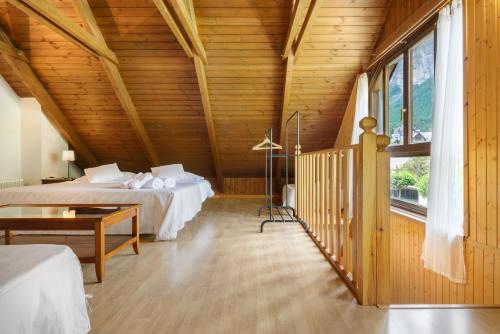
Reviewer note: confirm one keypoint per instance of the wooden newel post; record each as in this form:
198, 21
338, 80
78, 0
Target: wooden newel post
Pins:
383, 222
367, 212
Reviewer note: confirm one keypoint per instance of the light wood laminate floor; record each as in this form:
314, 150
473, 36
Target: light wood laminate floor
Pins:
222, 276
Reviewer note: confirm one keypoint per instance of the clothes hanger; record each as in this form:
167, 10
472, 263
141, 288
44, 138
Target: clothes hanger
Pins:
264, 145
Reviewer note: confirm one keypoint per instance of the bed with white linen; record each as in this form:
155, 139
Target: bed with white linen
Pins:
41, 290
164, 212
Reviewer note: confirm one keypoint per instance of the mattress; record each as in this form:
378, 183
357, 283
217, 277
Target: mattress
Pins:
41, 290
164, 211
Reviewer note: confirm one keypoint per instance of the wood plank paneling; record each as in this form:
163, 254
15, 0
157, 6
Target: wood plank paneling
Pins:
13, 80
338, 46
412, 284
244, 185
245, 76
344, 136
399, 11
482, 127
161, 80
84, 111
245, 73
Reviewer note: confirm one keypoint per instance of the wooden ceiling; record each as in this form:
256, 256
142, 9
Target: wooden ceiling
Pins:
158, 107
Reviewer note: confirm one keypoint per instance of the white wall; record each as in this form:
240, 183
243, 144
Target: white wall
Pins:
30, 147
52, 146
10, 133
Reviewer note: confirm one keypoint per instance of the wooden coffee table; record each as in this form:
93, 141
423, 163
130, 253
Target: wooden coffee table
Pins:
74, 217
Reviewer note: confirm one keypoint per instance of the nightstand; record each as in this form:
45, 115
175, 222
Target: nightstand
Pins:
50, 180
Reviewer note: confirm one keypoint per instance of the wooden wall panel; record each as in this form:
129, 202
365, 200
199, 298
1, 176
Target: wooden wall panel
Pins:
244, 186
412, 284
482, 124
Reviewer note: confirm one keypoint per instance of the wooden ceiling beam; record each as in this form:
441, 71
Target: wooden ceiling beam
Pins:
312, 12
188, 23
6, 48
117, 82
47, 13
287, 90
287, 87
169, 19
292, 27
207, 106
15, 59
207, 110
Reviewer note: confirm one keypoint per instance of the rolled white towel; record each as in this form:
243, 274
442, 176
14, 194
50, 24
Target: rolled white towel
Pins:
140, 181
169, 183
128, 184
154, 183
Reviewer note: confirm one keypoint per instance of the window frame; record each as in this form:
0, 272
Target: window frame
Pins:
407, 149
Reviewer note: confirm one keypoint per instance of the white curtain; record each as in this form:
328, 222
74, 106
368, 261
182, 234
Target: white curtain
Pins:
360, 112
443, 250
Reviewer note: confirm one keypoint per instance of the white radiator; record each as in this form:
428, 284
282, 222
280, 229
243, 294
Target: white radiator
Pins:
11, 183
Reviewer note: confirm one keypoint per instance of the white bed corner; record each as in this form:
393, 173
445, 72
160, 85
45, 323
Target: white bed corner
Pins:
41, 290
165, 211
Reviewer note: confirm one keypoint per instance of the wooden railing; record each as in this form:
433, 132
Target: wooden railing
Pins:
343, 195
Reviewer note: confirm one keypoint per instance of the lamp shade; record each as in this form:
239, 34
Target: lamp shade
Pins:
68, 155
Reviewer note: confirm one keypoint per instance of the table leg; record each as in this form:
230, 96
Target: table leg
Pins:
8, 235
100, 256
135, 231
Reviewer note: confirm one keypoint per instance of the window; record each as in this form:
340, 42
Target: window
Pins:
402, 99
377, 103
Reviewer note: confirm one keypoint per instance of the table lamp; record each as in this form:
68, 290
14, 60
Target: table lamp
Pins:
68, 156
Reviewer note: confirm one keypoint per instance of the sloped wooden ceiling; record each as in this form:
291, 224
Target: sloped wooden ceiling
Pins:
245, 73
342, 38
13, 80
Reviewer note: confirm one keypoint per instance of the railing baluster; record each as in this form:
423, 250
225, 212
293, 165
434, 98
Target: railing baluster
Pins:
315, 194
324, 234
321, 203
333, 198
338, 213
297, 181
306, 191
318, 196
355, 218
327, 201
302, 188
346, 198
311, 192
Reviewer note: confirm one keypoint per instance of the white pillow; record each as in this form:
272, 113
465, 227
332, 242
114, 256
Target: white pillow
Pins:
192, 177
174, 171
125, 176
104, 173
81, 179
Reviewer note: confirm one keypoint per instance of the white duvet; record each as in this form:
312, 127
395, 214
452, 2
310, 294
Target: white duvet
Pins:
41, 290
164, 211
